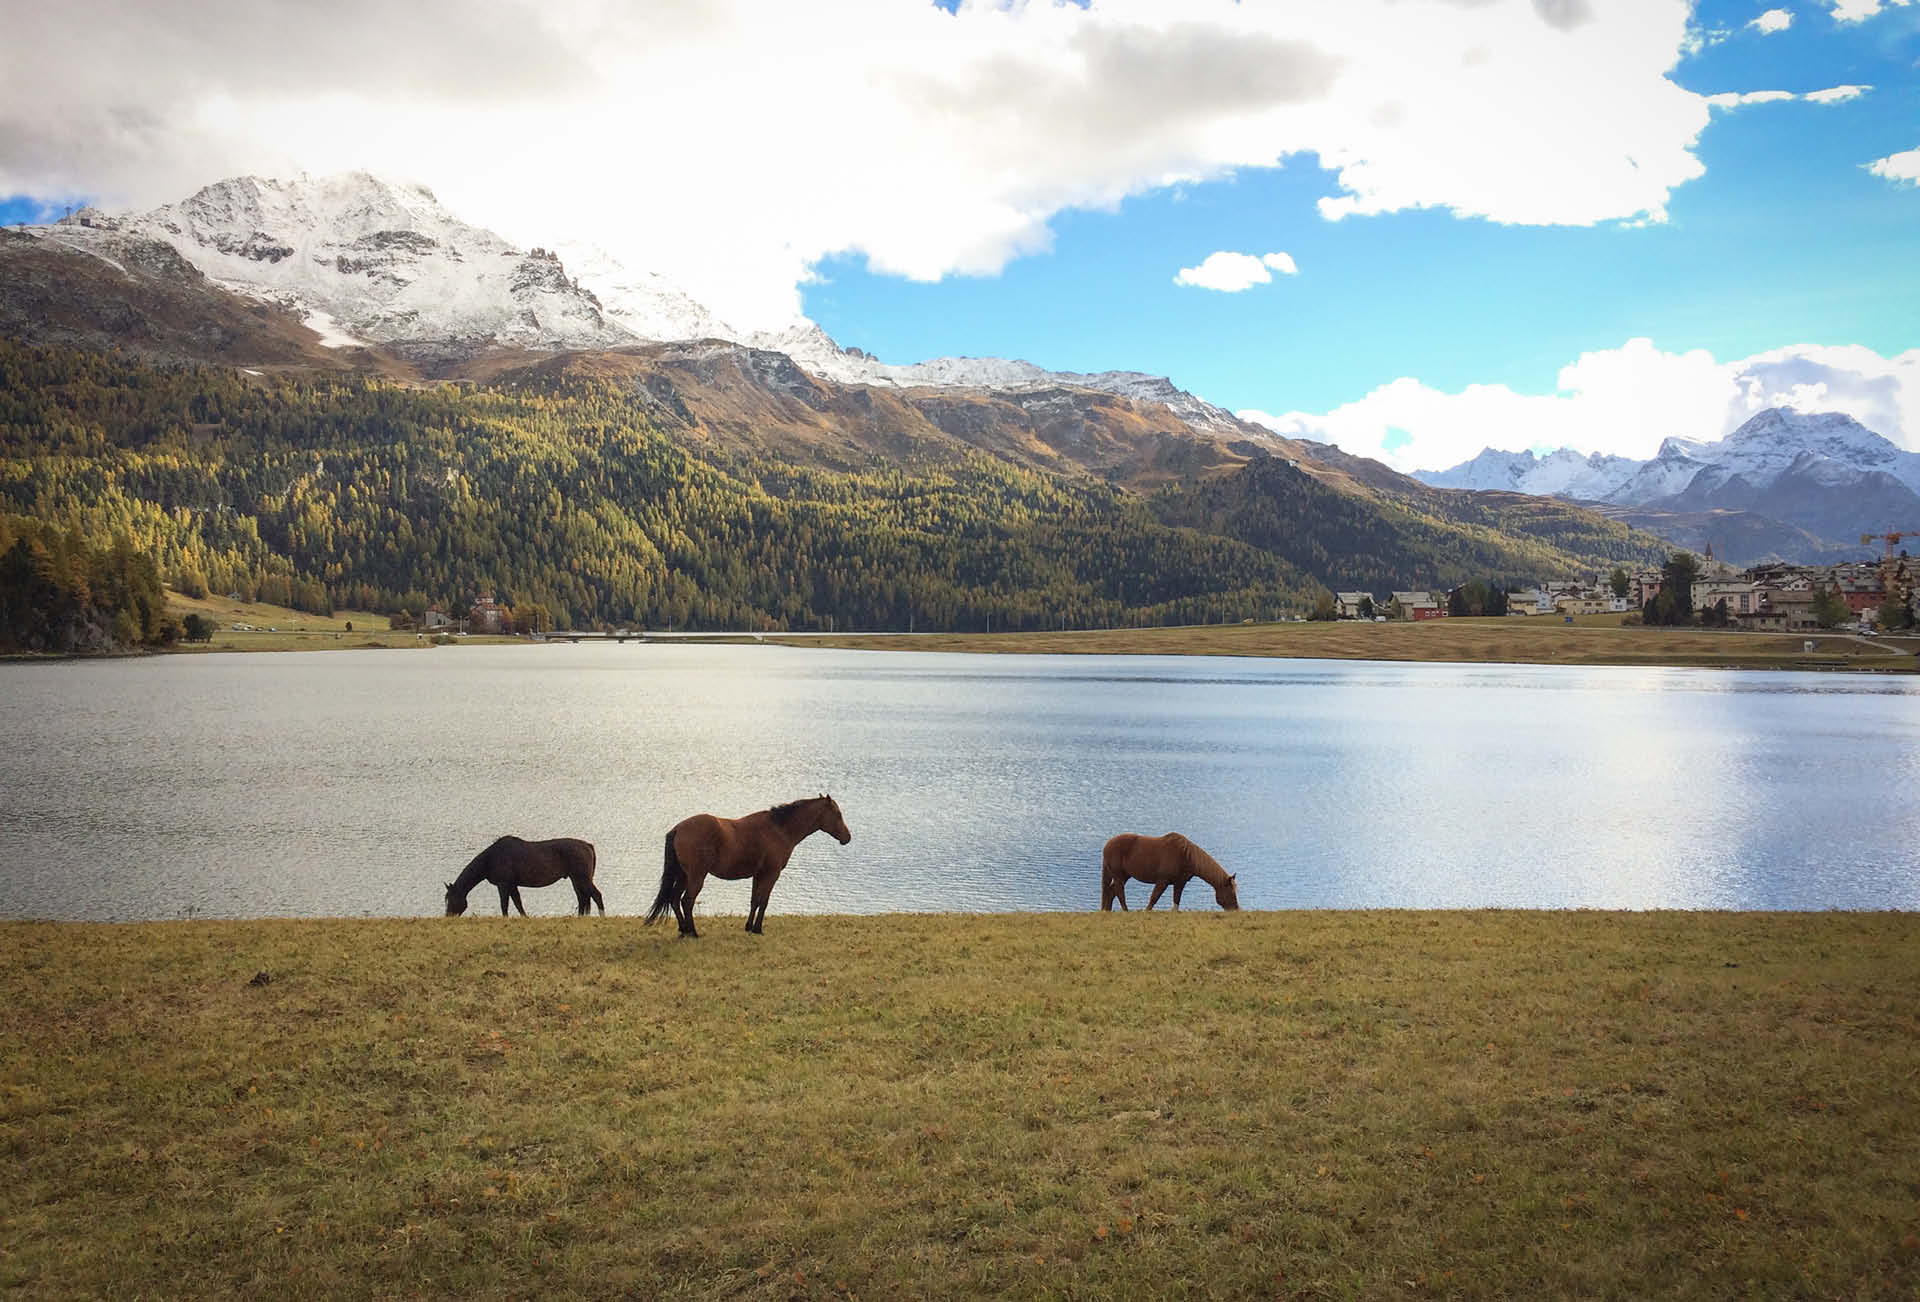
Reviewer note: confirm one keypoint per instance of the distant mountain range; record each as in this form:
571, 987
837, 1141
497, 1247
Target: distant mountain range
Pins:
1786, 484
383, 277
353, 274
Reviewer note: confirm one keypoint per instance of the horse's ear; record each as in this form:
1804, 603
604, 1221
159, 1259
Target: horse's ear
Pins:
1233, 877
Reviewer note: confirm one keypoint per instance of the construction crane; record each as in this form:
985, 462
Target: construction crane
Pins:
1890, 539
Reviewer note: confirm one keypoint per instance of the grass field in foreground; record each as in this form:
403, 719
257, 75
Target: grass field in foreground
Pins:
1589, 641
1302, 1105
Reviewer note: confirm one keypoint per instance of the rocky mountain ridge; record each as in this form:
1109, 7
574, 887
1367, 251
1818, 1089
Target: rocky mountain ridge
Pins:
366, 262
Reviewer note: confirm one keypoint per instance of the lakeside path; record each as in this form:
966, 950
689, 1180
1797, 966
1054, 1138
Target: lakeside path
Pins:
1595, 641
1303, 1105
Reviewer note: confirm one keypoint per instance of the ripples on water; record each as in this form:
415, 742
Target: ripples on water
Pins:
351, 783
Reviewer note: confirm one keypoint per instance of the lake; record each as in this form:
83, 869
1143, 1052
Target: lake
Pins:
357, 783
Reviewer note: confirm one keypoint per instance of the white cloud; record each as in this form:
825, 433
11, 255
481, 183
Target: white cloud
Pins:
1902, 168
1735, 98
1854, 11
1831, 95
734, 144
1232, 272
1622, 401
1774, 20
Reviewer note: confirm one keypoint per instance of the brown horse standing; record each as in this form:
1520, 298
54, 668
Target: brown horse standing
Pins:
1169, 860
511, 863
756, 846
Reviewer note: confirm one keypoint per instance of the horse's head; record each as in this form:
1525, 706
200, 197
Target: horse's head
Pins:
832, 823
1227, 894
456, 903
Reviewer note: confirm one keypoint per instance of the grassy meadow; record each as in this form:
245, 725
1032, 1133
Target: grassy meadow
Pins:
1295, 1105
281, 628
1589, 640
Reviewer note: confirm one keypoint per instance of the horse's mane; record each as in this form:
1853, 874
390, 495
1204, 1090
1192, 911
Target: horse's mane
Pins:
784, 814
1204, 865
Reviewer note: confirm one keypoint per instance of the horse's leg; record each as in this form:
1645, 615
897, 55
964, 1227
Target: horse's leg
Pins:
1153, 899
580, 889
689, 892
757, 907
595, 892
503, 899
516, 901
1178, 886
1120, 891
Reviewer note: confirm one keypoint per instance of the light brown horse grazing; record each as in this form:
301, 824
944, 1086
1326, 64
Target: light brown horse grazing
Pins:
511, 863
1169, 860
756, 846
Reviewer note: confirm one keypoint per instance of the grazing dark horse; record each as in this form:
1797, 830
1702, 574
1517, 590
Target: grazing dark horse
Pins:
1169, 860
511, 863
756, 846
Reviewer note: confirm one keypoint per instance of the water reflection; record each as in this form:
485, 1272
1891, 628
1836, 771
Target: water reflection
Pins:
345, 784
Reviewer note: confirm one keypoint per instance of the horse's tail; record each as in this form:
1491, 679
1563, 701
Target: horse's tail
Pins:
671, 880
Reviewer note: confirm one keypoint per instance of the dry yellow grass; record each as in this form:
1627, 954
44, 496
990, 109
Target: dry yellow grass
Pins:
1542, 640
1301, 1105
280, 628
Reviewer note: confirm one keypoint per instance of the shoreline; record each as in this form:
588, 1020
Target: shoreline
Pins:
1464, 641
1459, 913
1588, 641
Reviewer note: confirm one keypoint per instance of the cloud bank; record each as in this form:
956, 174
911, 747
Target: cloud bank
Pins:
1622, 401
735, 144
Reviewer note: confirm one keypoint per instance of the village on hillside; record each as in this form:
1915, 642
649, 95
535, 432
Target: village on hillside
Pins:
1774, 597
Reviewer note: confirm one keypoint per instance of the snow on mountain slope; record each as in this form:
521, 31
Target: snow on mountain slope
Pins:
366, 259
1564, 473
1770, 444
645, 302
1759, 453
816, 352
1666, 475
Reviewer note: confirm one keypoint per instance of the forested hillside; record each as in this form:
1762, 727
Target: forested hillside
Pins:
591, 499
1432, 538
349, 490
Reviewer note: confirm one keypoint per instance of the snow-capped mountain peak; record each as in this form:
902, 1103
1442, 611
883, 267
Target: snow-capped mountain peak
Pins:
369, 260
1821, 472
1562, 473
365, 259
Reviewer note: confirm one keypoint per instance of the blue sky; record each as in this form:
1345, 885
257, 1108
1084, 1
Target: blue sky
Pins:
1552, 234
1786, 239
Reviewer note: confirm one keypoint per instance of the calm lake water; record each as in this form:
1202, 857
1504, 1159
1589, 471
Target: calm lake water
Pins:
356, 783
